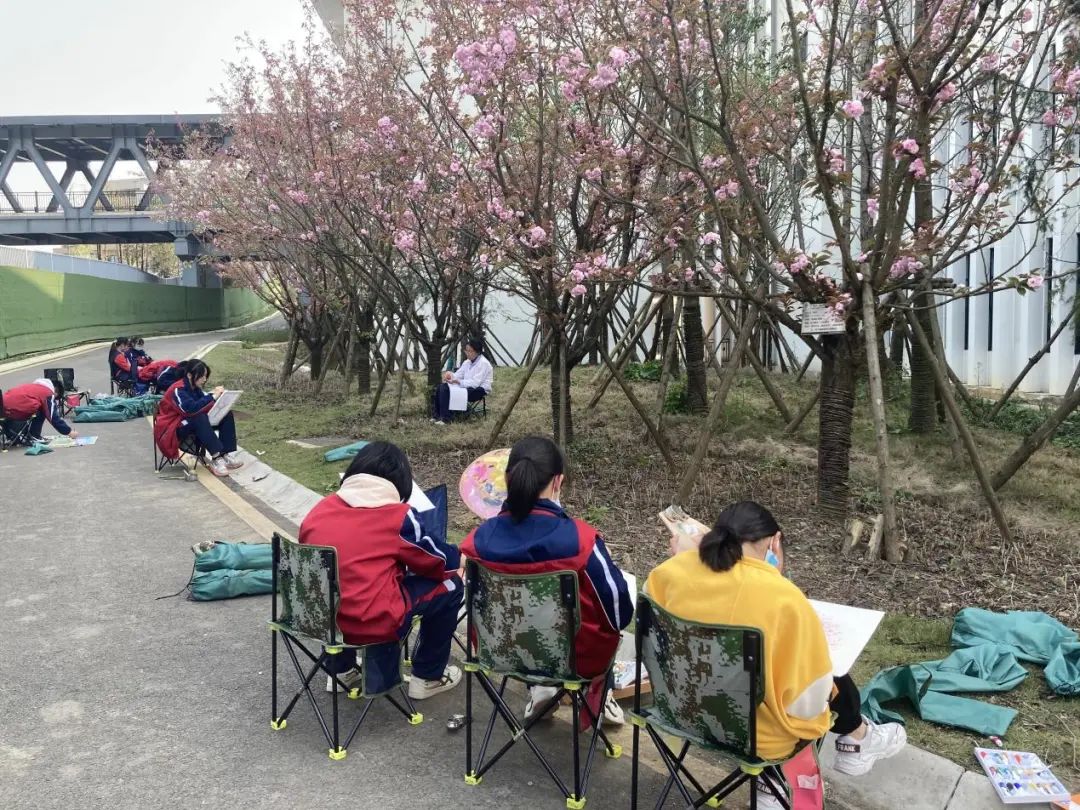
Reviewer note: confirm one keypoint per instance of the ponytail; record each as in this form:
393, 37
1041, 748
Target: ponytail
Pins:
743, 522
534, 462
720, 549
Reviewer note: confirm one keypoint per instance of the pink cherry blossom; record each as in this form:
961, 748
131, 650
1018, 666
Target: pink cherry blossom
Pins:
710, 238
594, 174
578, 290
852, 108
619, 58
1049, 118
918, 168
982, 188
1034, 281
605, 77
872, 208
537, 235
910, 145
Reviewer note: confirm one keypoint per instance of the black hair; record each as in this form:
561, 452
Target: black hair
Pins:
58, 387
194, 369
384, 460
138, 341
742, 522
476, 344
119, 341
533, 462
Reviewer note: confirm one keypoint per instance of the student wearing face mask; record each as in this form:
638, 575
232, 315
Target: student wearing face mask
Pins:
533, 535
735, 578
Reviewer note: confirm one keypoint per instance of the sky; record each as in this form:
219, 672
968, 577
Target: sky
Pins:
114, 57
102, 57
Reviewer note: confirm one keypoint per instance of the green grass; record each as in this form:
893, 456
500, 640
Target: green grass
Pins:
260, 337
617, 483
1046, 724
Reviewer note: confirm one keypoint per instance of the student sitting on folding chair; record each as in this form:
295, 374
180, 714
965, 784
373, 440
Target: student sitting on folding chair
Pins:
159, 375
306, 611
28, 407
392, 569
534, 535
182, 413
735, 579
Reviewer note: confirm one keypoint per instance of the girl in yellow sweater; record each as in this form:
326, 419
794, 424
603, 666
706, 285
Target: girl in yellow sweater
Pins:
735, 577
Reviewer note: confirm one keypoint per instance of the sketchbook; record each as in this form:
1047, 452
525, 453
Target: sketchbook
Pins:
222, 406
459, 398
847, 630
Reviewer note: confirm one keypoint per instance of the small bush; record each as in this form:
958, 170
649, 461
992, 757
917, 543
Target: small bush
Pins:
675, 400
649, 371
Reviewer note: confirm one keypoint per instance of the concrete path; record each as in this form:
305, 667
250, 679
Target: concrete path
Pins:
112, 698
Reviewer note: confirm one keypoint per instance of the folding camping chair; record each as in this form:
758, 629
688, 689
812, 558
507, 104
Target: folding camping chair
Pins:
123, 388
305, 580
522, 627
189, 445
66, 378
477, 408
707, 682
13, 432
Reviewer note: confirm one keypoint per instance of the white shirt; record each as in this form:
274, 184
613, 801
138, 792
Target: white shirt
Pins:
476, 373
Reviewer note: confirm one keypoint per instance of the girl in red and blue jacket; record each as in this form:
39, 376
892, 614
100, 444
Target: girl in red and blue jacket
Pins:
533, 535
183, 412
36, 403
391, 567
119, 362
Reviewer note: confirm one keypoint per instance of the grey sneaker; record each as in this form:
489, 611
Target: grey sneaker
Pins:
352, 678
420, 689
232, 462
218, 467
539, 696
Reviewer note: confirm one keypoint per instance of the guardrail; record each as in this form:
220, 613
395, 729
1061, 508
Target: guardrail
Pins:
43, 202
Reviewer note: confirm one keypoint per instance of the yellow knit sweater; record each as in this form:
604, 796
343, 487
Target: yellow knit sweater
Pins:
798, 672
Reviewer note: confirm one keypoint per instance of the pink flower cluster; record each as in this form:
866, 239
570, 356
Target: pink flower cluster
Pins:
872, 208
905, 266
835, 157
297, 196
797, 265
727, 191
852, 108
1034, 281
484, 60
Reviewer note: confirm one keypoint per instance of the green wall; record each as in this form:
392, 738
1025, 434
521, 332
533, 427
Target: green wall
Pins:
41, 310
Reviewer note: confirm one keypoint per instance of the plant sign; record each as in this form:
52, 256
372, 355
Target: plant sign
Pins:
821, 319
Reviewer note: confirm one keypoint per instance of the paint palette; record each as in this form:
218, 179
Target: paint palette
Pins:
483, 484
1020, 777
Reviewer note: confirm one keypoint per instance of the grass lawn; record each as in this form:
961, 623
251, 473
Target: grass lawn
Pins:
618, 481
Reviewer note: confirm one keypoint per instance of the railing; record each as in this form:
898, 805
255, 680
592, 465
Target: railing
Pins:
43, 202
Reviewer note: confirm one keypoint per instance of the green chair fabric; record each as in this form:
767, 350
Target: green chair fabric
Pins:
706, 682
1063, 670
524, 627
525, 624
305, 605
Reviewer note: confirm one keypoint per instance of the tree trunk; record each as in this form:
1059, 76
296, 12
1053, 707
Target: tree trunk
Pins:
363, 352
697, 390
667, 330
562, 423
290, 357
922, 417
890, 534
316, 359
835, 413
433, 361
897, 339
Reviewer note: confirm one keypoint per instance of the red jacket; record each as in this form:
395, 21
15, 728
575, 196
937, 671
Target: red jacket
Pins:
24, 402
170, 415
378, 540
151, 370
549, 540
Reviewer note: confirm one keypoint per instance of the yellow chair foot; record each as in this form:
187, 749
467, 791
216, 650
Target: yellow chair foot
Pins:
416, 719
614, 752
407, 662
473, 779
575, 804
277, 725
752, 770
714, 802
354, 694
338, 754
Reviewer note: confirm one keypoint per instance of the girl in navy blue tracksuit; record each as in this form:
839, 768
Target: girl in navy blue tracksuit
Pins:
532, 535
193, 404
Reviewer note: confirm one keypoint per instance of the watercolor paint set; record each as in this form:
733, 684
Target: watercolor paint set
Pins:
1020, 777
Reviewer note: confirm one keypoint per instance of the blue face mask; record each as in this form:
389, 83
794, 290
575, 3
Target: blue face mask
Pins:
772, 559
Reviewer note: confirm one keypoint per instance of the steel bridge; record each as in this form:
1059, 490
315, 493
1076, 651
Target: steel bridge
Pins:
92, 146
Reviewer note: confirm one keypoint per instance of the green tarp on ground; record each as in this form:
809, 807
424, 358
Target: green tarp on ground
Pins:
992, 646
223, 570
342, 453
116, 409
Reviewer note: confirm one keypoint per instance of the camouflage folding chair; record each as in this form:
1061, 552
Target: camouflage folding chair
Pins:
706, 684
522, 627
305, 606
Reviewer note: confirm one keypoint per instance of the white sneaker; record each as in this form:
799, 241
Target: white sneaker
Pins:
218, 467
540, 696
232, 462
421, 689
613, 713
856, 757
351, 677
